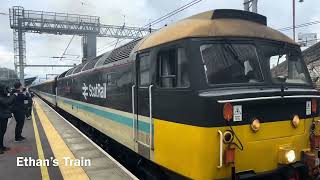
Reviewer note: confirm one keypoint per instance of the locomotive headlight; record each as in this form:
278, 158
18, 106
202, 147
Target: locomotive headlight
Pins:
227, 111
286, 155
295, 121
255, 125
291, 156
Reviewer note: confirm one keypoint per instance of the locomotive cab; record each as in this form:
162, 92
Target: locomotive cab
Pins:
237, 103
246, 100
261, 93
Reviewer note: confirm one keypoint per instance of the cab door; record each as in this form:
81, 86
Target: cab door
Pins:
143, 122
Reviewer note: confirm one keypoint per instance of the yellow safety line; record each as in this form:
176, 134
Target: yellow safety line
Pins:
43, 169
60, 149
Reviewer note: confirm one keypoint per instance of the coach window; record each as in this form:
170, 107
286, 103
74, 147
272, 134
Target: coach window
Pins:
144, 68
172, 69
111, 80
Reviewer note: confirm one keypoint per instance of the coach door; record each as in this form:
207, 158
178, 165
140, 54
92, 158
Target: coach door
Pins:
143, 123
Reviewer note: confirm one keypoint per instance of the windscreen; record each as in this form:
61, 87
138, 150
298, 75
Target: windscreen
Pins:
286, 64
226, 63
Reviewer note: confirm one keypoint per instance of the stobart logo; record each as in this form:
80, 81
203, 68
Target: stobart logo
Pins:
97, 90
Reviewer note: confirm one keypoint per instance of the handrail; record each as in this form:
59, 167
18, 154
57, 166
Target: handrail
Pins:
220, 149
150, 116
133, 113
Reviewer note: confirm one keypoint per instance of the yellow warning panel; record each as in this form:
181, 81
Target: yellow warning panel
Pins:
43, 169
60, 149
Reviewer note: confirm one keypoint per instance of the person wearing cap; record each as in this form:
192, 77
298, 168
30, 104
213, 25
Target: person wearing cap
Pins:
5, 113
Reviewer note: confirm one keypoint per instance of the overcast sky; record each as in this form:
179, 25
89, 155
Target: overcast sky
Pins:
40, 47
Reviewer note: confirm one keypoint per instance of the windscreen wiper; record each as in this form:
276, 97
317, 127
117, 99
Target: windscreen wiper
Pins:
234, 53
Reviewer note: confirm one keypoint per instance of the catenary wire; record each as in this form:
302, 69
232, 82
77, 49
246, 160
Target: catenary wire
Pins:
156, 21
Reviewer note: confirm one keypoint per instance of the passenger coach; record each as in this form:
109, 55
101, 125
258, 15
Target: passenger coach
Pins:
216, 95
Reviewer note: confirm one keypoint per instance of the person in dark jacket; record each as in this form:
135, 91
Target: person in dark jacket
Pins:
29, 105
5, 113
19, 111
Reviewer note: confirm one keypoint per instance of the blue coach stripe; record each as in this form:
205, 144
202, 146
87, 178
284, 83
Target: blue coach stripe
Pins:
142, 126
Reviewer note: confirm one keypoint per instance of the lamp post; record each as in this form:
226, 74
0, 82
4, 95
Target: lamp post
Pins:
294, 18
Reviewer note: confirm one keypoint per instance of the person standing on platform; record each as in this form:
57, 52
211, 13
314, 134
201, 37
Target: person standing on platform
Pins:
5, 113
29, 105
26, 103
19, 111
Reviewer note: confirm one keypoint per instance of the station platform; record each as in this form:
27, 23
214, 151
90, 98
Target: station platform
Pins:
55, 149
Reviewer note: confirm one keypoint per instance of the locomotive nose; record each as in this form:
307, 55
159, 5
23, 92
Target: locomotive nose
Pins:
261, 121
275, 130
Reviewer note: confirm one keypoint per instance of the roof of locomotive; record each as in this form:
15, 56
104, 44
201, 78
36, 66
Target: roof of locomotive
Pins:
45, 82
210, 24
216, 23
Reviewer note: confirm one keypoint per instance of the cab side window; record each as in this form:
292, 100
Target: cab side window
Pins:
172, 68
144, 68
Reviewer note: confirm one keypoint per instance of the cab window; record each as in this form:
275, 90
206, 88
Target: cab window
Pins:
144, 68
172, 69
227, 63
286, 64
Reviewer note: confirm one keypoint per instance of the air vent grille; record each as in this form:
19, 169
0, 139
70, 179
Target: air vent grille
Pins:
121, 52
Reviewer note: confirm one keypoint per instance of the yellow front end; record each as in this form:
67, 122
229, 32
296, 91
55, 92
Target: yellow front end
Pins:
194, 151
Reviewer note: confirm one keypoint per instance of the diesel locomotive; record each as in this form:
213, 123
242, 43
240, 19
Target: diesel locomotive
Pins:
217, 95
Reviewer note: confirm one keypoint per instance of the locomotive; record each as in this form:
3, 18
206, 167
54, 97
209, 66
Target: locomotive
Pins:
217, 95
